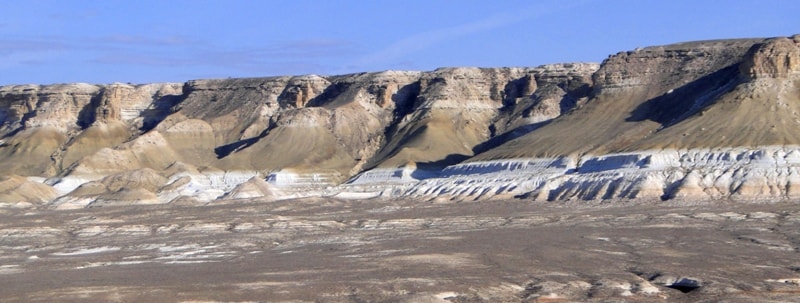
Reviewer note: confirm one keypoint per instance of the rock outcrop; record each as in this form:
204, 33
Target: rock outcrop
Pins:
555, 132
777, 58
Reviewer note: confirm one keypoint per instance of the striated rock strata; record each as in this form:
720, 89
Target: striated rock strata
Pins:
690, 121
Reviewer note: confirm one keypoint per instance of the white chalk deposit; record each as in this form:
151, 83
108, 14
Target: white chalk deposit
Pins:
764, 173
768, 173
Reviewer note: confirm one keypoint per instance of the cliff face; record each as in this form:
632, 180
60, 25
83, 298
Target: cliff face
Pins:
45, 129
778, 58
200, 139
636, 94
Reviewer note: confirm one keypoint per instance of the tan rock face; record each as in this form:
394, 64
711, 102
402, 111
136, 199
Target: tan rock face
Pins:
300, 90
451, 115
17, 101
661, 68
477, 88
230, 123
676, 96
126, 102
545, 93
775, 58
68, 113
63, 106
325, 129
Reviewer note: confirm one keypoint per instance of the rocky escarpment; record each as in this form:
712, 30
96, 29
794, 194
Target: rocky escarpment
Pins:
47, 128
302, 131
460, 110
463, 133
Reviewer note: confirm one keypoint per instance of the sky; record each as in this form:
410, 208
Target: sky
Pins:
143, 41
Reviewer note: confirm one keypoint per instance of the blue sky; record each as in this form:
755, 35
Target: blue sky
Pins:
172, 40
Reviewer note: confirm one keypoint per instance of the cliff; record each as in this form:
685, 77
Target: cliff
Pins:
403, 133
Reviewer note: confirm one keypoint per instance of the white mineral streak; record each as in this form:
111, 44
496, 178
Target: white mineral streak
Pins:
194, 185
69, 183
290, 179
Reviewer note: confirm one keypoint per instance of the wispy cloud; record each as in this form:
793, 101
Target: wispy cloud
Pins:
287, 56
17, 59
9, 46
174, 51
202, 52
26, 52
309, 47
140, 40
414, 43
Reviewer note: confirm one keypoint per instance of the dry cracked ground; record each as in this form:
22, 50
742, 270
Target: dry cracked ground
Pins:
326, 250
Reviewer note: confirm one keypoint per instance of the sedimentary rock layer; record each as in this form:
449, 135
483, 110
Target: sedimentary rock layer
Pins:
452, 133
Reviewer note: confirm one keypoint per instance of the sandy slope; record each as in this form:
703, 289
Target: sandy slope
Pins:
688, 101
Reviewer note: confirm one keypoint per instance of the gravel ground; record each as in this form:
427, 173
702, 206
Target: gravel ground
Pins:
327, 250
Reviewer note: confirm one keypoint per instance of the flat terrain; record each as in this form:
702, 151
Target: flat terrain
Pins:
323, 250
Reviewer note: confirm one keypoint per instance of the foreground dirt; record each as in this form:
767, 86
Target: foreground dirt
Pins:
322, 250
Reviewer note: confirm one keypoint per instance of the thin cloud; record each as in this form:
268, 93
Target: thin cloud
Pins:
15, 59
145, 40
289, 57
10, 46
210, 55
26, 52
310, 47
421, 41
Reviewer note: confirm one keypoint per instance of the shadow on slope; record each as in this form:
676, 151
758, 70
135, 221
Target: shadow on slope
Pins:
507, 136
88, 114
25, 117
160, 109
431, 169
227, 149
329, 94
685, 101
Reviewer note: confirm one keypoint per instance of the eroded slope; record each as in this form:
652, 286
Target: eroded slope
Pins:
406, 133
